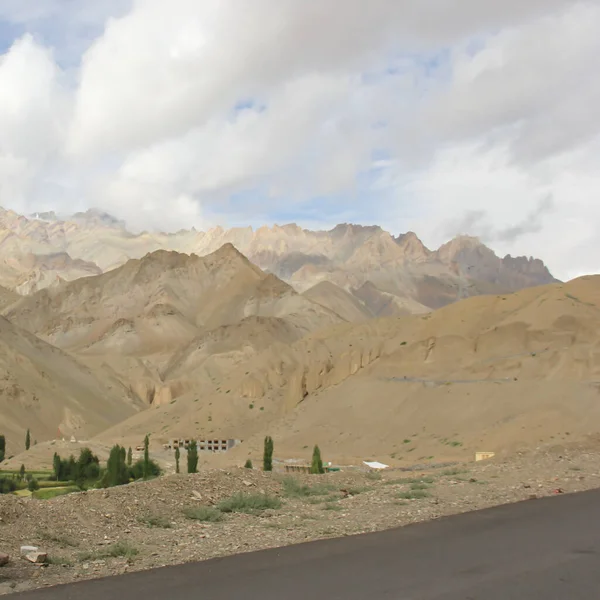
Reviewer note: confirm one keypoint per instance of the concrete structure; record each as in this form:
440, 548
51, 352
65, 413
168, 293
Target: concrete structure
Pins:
212, 445
484, 455
301, 468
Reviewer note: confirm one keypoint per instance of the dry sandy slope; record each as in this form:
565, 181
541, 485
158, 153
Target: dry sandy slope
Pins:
491, 372
349, 307
44, 389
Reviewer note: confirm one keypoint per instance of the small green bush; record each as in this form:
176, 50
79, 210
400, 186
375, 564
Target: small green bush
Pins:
418, 485
156, 521
294, 489
413, 495
206, 514
117, 550
248, 503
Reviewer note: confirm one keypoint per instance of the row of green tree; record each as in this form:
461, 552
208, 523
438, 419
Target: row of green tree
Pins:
120, 468
192, 458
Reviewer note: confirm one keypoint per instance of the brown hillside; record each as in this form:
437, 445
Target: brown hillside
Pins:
160, 302
495, 372
46, 390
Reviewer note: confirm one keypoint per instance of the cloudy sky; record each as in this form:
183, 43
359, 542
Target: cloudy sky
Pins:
438, 116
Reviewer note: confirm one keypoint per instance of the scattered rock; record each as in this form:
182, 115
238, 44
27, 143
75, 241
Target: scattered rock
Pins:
37, 557
4, 558
27, 549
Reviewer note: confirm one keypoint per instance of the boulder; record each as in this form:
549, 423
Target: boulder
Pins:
4, 558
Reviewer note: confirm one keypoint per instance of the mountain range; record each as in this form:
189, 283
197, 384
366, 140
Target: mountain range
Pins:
368, 344
388, 275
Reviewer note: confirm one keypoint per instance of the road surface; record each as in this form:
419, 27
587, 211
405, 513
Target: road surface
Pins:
546, 549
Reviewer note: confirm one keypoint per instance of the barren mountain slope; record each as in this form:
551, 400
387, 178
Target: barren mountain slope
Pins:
160, 302
348, 255
7, 297
46, 390
487, 373
350, 307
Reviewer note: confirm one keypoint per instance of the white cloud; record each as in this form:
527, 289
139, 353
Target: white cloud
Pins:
492, 107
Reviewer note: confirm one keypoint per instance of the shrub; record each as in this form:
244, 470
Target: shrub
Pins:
413, 495
7, 486
248, 503
33, 485
156, 521
248, 464
141, 470
206, 514
294, 489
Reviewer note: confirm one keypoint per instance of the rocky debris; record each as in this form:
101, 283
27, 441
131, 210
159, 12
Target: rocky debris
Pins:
37, 557
146, 525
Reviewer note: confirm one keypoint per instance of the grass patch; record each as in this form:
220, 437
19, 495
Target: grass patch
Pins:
61, 561
156, 521
49, 493
419, 485
354, 491
206, 514
62, 540
37, 474
117, 550
452, 472
294, 489
410, 480
54, 484
249, 503
374, 476
413, 495
331, 506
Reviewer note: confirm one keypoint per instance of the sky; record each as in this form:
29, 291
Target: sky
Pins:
442, 117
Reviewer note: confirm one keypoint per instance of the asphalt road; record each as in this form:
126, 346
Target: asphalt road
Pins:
539, 549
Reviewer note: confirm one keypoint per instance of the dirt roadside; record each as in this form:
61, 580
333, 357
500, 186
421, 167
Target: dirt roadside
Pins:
144, 525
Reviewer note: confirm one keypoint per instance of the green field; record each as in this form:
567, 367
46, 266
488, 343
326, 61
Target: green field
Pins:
48, 493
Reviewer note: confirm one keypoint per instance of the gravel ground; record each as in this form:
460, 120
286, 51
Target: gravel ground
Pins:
144, 525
